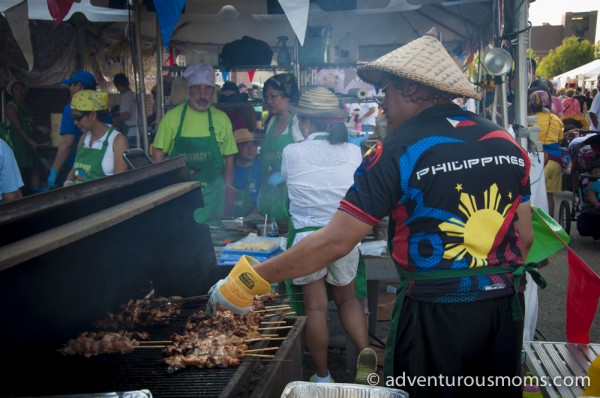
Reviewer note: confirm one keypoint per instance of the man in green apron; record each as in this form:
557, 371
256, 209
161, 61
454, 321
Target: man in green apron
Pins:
456, 189
201, 134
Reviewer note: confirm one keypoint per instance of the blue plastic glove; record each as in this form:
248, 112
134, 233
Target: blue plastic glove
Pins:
357, 140
52, 179
276, 179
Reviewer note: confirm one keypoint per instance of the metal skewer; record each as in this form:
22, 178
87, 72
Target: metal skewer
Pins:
155, 341
259, 355
276, 327
273, 308
285, 313
263, 339
262, 349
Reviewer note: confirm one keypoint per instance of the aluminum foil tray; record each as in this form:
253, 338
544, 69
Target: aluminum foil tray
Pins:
120, 394
298, 389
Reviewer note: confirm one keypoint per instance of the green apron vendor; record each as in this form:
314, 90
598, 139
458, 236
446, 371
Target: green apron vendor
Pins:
456, 189
203, 135
279, 92
100, 149
20, 135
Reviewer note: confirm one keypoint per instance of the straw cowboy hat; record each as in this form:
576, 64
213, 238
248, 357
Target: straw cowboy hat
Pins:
319, 102
243, 135
424, 60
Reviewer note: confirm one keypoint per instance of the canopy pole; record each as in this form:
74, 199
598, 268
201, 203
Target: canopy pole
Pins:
504, 102
521, 8
160, 87
140, 77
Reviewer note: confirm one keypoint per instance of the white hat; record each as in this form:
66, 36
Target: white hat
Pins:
424, 60
318, 102
200, 74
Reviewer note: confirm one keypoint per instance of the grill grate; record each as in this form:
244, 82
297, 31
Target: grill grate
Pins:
55, 374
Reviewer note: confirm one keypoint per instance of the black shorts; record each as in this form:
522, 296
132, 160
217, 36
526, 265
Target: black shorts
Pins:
460, 344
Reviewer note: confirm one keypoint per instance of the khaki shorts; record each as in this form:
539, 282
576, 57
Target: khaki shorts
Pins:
553, 176
340, 273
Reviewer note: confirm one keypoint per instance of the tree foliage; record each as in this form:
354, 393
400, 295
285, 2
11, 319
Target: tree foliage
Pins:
529, 53
571, 54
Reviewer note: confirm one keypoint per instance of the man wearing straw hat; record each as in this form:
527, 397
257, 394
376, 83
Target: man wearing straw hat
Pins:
456, 189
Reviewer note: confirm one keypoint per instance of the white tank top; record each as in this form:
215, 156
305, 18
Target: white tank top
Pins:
108, 161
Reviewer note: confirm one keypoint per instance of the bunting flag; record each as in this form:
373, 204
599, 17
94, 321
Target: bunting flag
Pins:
224, 74
349, 76
583, 292
168, 12
548, 236
18, 21
59, 10
296, 12
171, 56
251, 74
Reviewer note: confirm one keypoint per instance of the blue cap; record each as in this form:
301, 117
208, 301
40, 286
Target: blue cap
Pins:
83, 77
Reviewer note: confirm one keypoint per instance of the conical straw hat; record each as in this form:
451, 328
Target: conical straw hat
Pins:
424, 60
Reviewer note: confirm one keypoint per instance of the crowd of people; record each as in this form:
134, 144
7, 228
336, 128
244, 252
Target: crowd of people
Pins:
460, 223
90, 146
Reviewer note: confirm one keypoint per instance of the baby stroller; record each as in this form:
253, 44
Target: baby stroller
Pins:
583, 152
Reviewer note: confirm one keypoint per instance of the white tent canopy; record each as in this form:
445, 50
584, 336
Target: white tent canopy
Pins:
587, 72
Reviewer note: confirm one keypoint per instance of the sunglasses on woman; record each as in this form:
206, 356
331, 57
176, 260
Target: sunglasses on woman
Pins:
78, 118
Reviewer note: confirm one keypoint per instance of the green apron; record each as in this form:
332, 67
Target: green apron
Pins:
88, 161
24, 153
243, 196
274, 201
205, 164
295, 292
406, 277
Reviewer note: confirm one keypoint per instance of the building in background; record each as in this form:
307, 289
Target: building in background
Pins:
547, 37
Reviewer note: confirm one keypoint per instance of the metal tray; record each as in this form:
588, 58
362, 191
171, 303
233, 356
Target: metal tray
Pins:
265, 253
119, 394
297, 389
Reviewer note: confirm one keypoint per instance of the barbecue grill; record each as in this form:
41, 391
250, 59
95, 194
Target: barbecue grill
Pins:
141, 369
69, 256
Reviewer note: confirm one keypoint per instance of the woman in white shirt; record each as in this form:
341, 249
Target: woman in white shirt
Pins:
318, 172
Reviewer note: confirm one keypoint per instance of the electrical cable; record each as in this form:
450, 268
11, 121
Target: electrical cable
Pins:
409, 24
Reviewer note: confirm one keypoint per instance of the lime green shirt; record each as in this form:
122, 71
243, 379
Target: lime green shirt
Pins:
195, 124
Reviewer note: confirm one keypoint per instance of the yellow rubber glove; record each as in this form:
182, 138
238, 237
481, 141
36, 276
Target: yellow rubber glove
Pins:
236, 292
